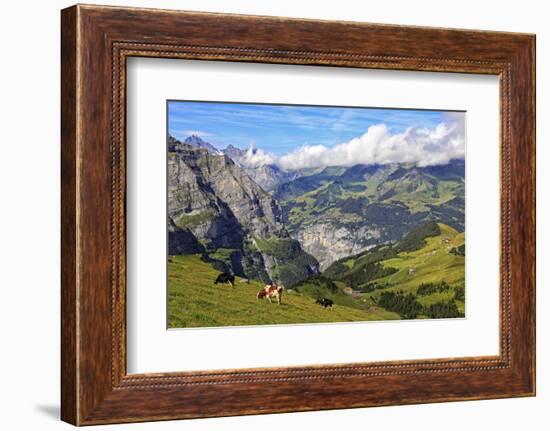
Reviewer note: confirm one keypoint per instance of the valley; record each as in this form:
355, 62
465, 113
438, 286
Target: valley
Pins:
339, 212
385, 241
426, 264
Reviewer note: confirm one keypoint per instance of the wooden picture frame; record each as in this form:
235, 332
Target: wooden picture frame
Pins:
95, 43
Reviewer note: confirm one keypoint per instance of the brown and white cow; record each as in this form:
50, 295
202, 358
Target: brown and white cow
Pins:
271, 291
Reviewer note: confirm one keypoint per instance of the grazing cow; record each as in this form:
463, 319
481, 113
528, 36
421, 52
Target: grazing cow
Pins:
271, 291
325, 302
226, 279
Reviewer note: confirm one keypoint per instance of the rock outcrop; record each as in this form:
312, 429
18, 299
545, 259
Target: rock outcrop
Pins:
329, 242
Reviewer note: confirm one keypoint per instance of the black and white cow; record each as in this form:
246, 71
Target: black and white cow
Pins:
325, 302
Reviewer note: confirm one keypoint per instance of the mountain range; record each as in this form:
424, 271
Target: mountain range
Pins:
216, 209
342, 211
263, 222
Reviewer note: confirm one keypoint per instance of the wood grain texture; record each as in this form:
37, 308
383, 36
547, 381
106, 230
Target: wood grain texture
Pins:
96, 41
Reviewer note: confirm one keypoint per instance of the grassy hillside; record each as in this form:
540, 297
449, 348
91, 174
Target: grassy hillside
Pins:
373, 311
431, 264
428, 264
421, 276
195, 301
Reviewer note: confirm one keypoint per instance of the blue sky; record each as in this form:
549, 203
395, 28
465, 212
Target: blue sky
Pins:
280, 129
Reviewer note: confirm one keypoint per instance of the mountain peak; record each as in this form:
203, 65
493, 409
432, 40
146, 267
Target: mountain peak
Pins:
194, 139
234, 152
197, 142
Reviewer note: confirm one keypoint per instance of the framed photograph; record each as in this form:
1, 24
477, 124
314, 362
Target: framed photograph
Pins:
369, 226
282, 215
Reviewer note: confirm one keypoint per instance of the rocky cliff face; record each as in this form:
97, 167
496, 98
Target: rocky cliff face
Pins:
269, 176
211, 199
202, 184
330, 242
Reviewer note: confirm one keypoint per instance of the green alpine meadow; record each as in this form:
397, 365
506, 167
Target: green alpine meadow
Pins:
294, 214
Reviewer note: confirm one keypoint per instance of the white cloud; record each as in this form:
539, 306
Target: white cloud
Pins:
255, 157
423, 146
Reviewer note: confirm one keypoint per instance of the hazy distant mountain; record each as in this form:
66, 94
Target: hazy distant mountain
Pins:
235, 153
268, 176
